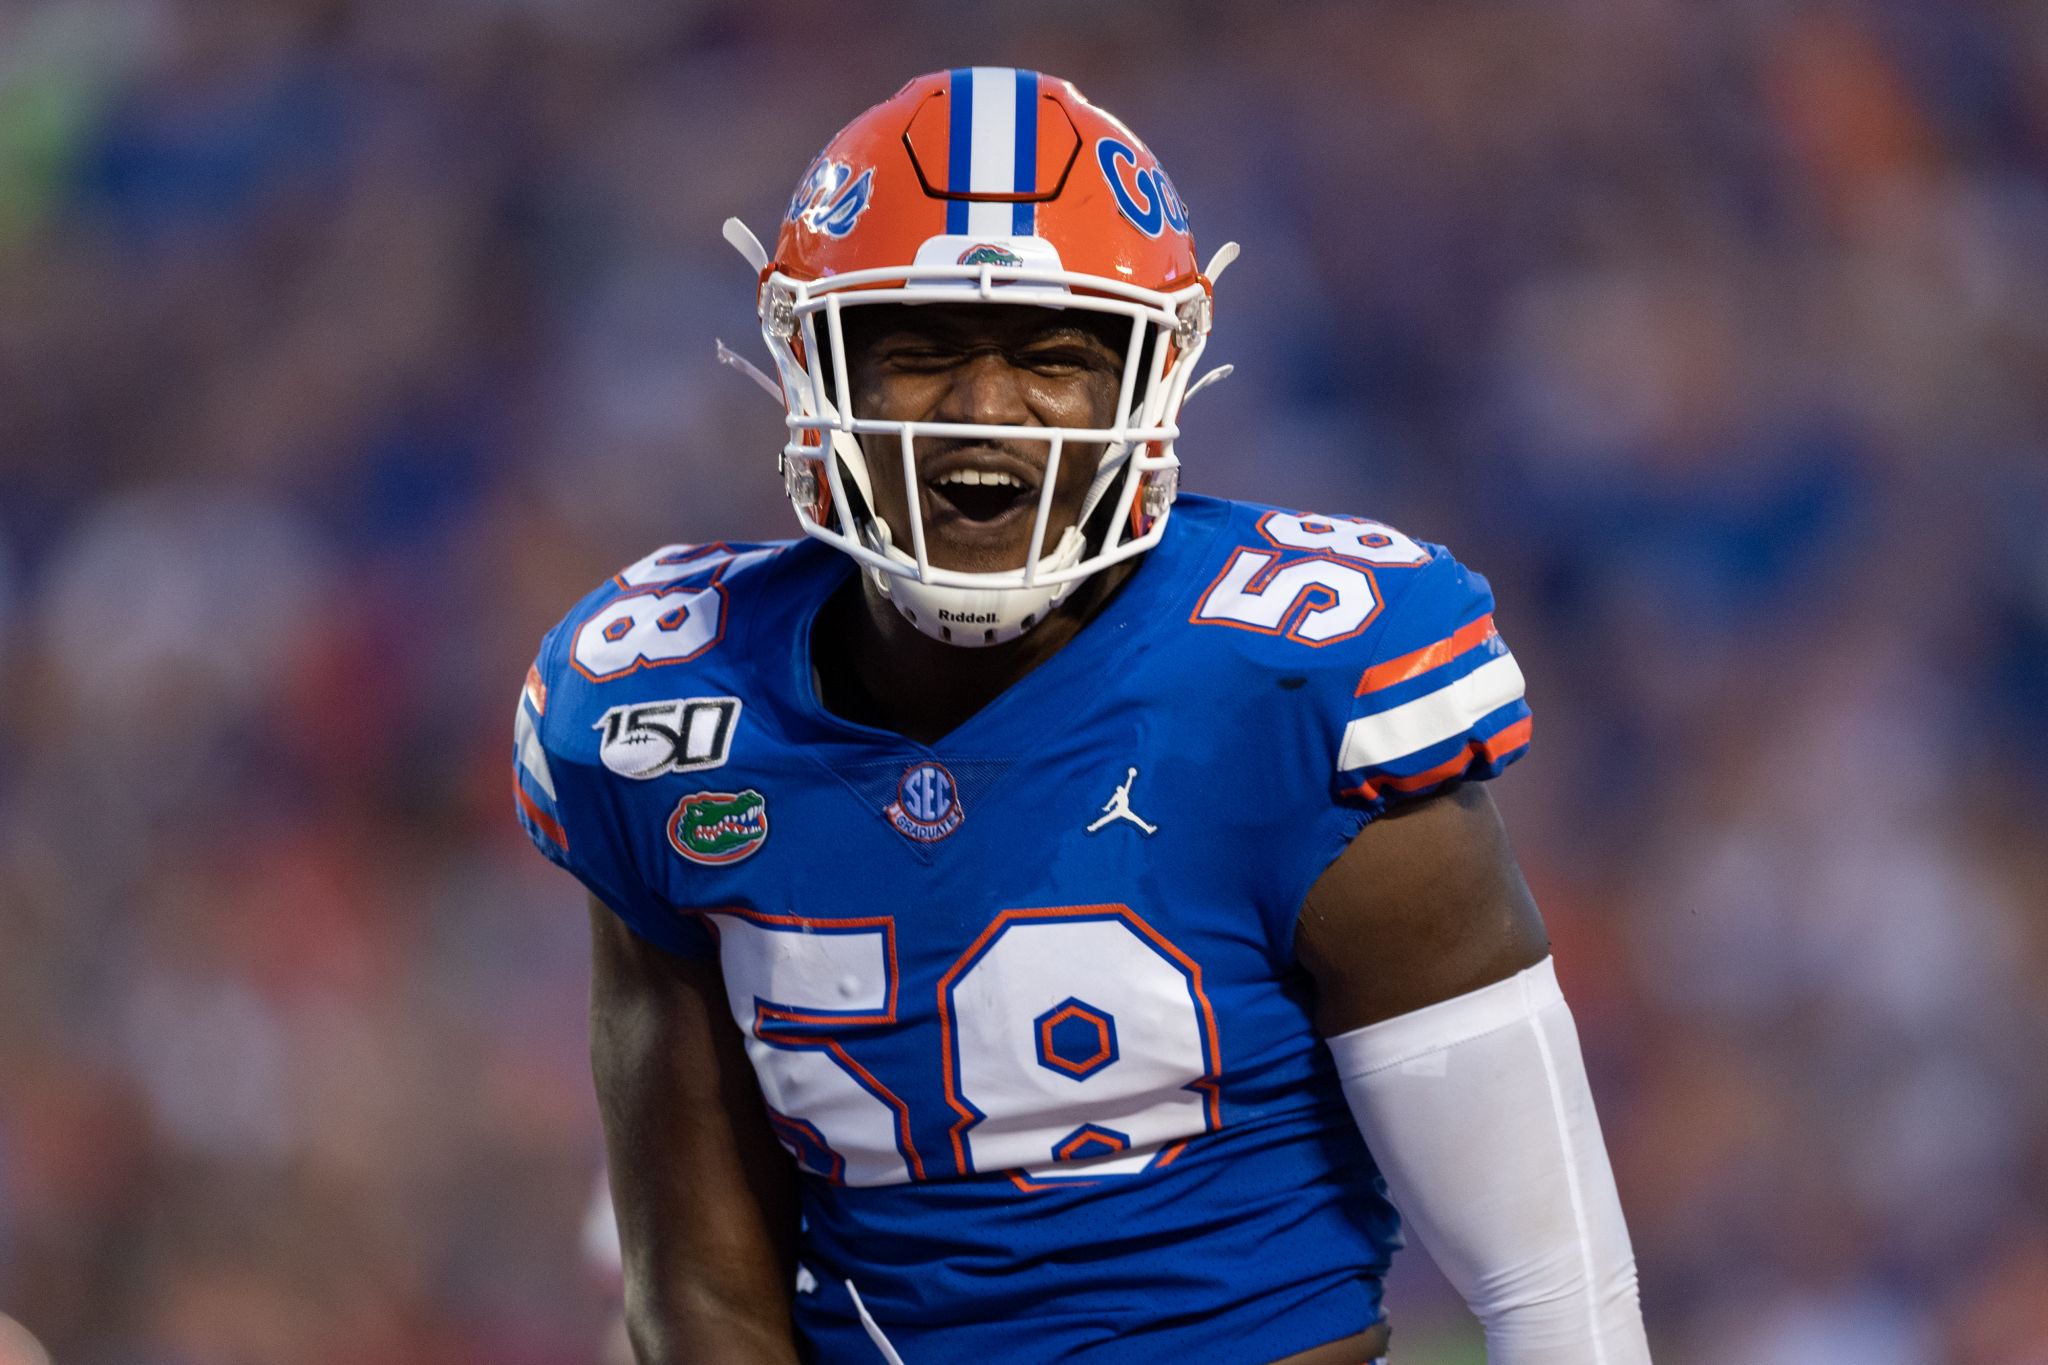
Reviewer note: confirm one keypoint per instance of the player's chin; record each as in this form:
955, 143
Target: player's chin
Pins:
983, 537
976, 549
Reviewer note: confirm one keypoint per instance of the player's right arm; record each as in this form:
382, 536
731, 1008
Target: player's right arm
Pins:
705, 1195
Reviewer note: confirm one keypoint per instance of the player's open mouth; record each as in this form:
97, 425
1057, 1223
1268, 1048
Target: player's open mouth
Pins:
979, 497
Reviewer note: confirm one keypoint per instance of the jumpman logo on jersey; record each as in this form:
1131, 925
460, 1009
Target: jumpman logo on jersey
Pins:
1118, 807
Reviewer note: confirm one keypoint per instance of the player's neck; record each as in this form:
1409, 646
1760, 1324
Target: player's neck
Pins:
872, 666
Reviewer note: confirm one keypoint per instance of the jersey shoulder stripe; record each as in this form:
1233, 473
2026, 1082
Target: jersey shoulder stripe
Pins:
533, 779
1442, 698
1418, 662
1479, 757
1443, 713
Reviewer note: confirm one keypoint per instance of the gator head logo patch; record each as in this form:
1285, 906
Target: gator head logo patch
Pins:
719, 827
989, 254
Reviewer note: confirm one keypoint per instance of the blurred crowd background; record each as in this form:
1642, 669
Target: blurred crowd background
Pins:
344, 343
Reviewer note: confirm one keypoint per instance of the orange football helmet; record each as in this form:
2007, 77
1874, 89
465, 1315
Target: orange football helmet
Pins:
983, 184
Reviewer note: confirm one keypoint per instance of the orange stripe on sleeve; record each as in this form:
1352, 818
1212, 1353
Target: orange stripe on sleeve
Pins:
1508, 740
536, 689
1429, 656
547, 823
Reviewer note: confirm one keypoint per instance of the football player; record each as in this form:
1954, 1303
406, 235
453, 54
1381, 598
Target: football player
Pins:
1036, 917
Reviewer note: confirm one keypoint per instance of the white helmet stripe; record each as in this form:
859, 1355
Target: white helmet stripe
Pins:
995, 150
992, 163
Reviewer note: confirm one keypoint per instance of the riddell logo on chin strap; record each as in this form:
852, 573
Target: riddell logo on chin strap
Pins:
968, 618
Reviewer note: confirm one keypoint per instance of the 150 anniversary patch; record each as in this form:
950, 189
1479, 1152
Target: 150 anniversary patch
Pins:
643, 740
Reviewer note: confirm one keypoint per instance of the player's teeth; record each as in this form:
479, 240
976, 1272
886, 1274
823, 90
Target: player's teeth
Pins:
982, 478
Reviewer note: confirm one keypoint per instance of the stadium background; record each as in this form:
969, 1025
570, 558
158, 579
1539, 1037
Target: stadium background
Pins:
343, 344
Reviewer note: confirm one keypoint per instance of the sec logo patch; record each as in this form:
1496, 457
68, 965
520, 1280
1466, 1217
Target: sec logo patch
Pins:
927, 805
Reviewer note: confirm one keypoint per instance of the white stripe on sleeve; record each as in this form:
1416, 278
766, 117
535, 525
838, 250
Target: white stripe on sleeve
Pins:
1431, 719
531, 756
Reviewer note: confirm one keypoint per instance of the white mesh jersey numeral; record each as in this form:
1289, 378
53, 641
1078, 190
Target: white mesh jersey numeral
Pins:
1371, 542
1076, 1043
798, 987
649, 629
672, 562
1319, 600
1080, 1044
1315, 601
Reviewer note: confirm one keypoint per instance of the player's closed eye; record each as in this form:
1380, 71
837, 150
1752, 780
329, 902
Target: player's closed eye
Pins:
923, 359
1062, 359
1055, 359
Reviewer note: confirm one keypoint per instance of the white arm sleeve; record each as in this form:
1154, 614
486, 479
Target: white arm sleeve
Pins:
1478, 1112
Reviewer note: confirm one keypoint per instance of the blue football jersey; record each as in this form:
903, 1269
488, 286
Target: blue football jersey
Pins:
1023, 1003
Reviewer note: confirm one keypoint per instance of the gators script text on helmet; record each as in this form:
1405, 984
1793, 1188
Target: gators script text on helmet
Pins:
993, 185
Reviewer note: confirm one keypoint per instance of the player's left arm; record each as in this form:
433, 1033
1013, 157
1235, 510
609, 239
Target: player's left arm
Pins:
1461, 1064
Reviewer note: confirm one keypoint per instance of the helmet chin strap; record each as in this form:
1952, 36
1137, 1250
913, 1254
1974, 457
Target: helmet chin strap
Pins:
973, 617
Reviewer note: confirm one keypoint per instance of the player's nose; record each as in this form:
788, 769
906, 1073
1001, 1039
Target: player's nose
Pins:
988, 389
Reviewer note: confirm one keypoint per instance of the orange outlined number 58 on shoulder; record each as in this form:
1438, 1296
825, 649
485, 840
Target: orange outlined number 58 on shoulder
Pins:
1315, 586
673, 611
